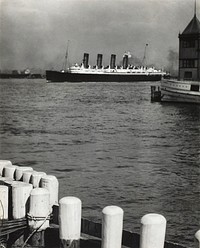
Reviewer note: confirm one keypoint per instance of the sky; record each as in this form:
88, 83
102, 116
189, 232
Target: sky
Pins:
34, 33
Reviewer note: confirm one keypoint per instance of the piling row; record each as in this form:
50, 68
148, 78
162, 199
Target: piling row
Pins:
25, 193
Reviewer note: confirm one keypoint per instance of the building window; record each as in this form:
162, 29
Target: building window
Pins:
188, 75
188, 63
188, 43
194, 87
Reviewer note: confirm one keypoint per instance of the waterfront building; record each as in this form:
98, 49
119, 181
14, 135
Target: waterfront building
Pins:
189, 51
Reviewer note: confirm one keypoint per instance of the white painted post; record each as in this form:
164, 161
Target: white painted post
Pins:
3, 202
36, 177
197, 236
153, 228
4, 163
50, 183
39, 209
9, 171
112, 227
19, 172
38, 216
27, 176
20, 196
70, 221
6, 179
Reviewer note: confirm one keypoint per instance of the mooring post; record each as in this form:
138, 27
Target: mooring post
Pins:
3, 212
4, 163
19, 172
70, 222
50, 183
20, 196
36, 177
27, 176
9, 171
153, 228
112, 226
197, 236
38, 216
3, 202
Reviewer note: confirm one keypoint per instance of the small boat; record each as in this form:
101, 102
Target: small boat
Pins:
180, 91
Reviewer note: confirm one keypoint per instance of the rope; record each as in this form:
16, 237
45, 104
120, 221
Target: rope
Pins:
34, 231
35, 218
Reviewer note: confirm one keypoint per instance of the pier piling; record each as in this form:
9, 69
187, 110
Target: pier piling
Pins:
3, 202
38, 216
20, 196
36, 178
4, 163
70, 222
27, 176
19, 172
9, 171
112, 226
197, 236
153, 228
50, 183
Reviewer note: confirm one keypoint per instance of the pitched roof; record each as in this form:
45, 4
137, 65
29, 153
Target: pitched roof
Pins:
193, 27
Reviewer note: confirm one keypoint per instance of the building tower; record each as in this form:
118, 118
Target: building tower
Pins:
189, 51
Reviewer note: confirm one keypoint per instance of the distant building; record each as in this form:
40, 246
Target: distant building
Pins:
189, 51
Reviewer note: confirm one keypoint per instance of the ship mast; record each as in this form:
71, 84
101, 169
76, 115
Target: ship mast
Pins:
144, 58
66, 57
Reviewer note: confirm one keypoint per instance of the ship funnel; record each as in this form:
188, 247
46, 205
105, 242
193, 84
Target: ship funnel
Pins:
86, 60
125, 61
99, 60
112, 61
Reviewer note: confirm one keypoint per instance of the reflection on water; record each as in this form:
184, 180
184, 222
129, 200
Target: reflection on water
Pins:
107, 144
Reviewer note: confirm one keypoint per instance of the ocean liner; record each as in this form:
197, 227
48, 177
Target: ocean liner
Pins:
99, 73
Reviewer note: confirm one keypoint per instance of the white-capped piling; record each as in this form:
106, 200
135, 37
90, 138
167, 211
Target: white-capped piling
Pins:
4, 163
26, 177
36, 177
6, 179
19, 172
20, 196
70, 221
50, 183
38, 216
153, 229
197, 236
3, 202
9, 171
112, 226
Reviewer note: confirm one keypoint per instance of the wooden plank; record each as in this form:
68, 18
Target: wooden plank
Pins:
91, 228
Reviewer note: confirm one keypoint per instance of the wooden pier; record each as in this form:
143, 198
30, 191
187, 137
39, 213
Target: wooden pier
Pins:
32, 216
156, 94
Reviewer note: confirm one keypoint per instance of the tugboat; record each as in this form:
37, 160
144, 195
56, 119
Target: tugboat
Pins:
187, 87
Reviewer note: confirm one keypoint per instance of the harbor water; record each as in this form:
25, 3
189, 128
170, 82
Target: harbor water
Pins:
108, 145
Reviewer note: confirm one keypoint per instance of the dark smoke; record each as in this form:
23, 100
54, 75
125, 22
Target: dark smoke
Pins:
172, 66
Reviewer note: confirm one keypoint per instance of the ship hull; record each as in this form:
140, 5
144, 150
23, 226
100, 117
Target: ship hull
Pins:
56, 76
180, 91
7, 75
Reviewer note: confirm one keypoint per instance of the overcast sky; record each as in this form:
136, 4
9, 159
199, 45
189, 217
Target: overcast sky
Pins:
34, 33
